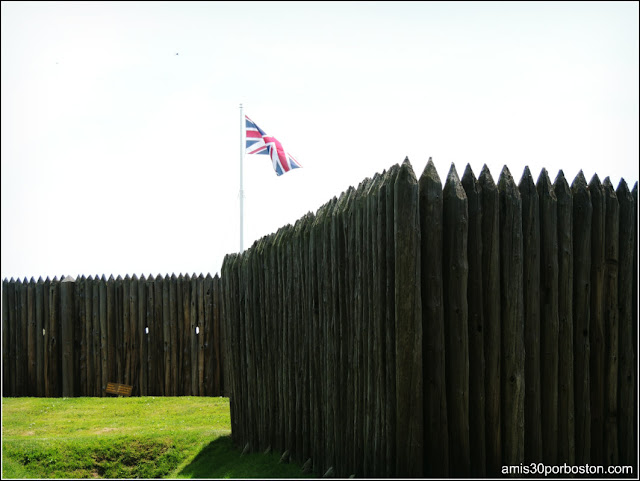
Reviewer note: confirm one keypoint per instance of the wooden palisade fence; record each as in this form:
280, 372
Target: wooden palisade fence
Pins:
406, 329
71, 337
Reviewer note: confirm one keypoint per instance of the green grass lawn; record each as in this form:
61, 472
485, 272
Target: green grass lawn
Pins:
136, 437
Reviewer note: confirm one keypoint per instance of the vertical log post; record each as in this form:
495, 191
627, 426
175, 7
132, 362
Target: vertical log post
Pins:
491, 309
531, 297
67, 324
596, 328
456, 328
512, 362
549, 317
408, 306
582, 213
627, 363
475, 295
566, 412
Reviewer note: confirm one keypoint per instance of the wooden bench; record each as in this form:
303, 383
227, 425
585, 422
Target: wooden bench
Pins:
119, 389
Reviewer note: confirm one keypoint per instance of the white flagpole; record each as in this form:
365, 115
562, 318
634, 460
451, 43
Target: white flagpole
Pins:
242, 149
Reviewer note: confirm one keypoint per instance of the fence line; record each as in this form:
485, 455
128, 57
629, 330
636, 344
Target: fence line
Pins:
70, 337
413, 329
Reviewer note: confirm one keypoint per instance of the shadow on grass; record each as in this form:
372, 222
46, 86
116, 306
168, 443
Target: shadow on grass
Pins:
220, 459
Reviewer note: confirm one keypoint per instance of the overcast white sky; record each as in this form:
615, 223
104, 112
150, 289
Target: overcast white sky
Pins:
121, 128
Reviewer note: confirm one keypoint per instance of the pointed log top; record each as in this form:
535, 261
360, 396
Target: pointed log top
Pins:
623, 189
208, 276
406, 173
66, 279
201, 276
452, 175
561, 184
40, 281
32, 280
134, 277
19, 281
468, 174
453, 186
595, 181
506, 182
142, 278
544, 184
607, 182
119, 278
579, 182
126, 277
527, 178
486, 179
430, 173
158, 277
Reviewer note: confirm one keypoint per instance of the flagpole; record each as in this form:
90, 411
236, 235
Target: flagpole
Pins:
242, 149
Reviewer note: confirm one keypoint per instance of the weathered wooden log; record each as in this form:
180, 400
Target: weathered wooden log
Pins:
377, 335
566, 410
115, 365
124, 288
143, 335
634, 193
152, 335
475, 294
88, 372
491, 310
7, 373
208, 345
134, 334
13, 333
81, 333
156, 338
408, 312
54, 339
596, 323
39, 337
456, 328
193, 349
627, 363
46, 333
582, 213
549, 317
31, 338
67, 322
22, 336
185, 340
611, 254
531, 298
107, 333
200, 335
390, 324
97, 359
512, 362
343, 302
173, 334
166, 337
436, 456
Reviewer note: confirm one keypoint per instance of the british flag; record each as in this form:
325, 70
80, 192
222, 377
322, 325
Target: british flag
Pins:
258, 142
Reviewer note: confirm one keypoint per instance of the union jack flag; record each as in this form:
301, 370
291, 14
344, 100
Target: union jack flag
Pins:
258, 142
